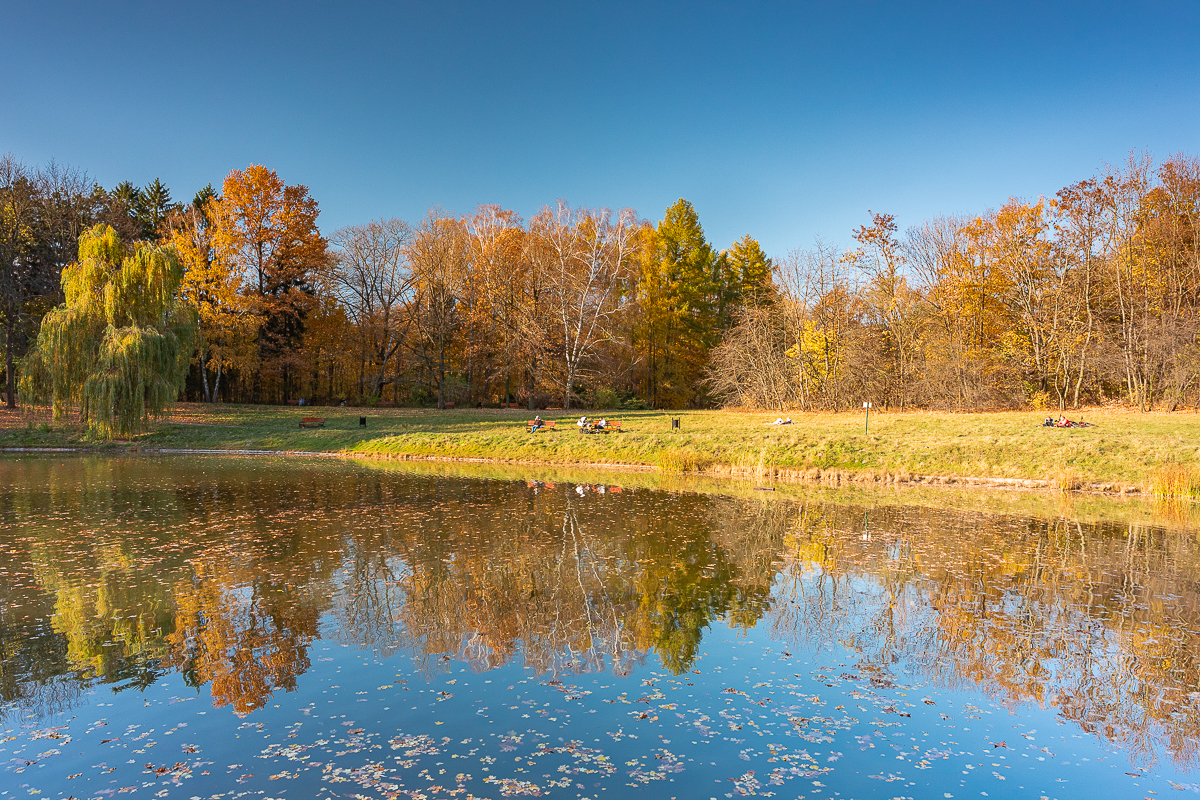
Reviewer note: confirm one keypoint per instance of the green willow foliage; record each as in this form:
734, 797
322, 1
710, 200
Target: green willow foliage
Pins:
119, 347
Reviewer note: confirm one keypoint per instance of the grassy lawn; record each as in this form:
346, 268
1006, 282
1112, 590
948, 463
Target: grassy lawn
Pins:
1124, 449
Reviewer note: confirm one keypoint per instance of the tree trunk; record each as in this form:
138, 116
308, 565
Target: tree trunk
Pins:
532, 382
256, 391
569, 386
441, 376
10, 386
208, 396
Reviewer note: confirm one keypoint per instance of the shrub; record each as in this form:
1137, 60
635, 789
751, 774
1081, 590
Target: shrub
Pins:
606, 398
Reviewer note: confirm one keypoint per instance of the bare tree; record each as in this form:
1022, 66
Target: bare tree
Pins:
751, 366
373, 279
1080, 227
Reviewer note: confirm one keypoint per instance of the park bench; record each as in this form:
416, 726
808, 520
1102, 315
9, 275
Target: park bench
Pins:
312, 422
547, 425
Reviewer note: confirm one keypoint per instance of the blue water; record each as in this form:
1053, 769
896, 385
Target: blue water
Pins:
854, 688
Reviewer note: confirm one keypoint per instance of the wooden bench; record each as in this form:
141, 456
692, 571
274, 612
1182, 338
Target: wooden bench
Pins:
312, 422
547, 425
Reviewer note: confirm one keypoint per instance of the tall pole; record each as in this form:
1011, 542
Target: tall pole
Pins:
866, 419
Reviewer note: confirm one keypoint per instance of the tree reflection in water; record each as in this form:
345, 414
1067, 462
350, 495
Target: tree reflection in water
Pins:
228, 570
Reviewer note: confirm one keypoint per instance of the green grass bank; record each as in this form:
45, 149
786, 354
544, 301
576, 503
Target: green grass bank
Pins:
1123, 452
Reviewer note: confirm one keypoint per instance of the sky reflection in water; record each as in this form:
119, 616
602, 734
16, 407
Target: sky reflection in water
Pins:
212, 628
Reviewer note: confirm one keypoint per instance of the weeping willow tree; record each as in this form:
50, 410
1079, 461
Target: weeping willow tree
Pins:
120, 346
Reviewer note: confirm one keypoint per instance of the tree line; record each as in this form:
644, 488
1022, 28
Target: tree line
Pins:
1089, 296
238, 296
573, 307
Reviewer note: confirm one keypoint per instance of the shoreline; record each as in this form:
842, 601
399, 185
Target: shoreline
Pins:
812, 476
1122, 454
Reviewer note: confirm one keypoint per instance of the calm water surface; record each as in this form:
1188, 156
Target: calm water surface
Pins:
268, 628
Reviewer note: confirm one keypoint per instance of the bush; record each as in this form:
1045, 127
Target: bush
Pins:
621, 399
606, 398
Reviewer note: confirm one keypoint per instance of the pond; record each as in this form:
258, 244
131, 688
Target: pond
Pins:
220, 627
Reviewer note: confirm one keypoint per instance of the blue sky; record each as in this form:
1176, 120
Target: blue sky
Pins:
785, 121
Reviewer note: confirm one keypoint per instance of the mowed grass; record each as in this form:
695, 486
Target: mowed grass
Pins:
1123, 450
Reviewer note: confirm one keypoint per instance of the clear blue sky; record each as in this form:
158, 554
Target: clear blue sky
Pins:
784, 121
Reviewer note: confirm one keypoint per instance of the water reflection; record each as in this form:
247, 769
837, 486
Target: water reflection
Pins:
227, 572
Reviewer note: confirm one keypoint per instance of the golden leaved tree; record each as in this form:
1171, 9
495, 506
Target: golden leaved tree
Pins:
265, 232
227, 322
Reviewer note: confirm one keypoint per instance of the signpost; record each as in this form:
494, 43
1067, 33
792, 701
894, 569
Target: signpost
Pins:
867, 421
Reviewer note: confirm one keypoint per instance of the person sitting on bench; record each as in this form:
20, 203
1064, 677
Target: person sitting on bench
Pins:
536, 424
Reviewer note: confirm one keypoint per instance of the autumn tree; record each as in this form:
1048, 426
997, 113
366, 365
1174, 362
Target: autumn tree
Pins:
932, 252
1079, 219
265, 232
214, 292
892, 307
680, 297
1030, 289
506, 316
584, 259
1172, 214
119, 346
439, 255
822, 314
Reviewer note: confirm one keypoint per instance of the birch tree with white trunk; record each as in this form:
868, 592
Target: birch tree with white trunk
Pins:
584, 258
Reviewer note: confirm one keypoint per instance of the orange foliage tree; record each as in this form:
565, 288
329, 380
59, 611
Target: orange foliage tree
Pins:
266, 232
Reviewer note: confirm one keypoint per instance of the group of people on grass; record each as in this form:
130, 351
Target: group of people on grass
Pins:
1063, 422
584, 424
